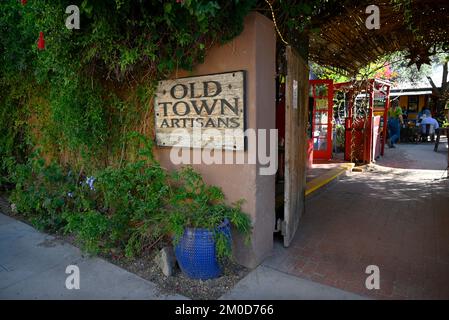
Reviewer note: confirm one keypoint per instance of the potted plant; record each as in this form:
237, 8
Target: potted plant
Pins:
200, 222
340, 137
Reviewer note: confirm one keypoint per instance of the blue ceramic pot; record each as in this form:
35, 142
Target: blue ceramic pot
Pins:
196, 252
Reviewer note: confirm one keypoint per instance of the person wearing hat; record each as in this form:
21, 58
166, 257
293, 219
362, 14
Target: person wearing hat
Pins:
395, 121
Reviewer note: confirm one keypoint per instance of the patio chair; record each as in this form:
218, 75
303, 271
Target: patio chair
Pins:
426, 131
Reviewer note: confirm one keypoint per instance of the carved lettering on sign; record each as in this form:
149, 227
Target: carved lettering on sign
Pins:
207, 102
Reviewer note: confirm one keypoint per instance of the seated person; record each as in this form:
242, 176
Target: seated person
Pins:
427, 119
422, 114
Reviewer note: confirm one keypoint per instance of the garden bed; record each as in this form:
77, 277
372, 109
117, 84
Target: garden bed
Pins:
179, 283
146, 267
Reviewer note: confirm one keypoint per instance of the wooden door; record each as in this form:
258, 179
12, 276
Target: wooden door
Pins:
323, 95
296, 99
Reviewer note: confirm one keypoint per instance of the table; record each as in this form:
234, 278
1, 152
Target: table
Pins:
438, 132
410, 134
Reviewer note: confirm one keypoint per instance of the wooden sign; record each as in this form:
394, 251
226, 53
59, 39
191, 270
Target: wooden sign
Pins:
201, 112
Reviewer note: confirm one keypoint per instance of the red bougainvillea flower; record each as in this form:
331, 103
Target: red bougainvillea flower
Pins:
41, 41
24, 2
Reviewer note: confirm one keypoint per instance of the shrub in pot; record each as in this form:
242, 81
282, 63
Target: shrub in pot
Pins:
200, 222
340, 137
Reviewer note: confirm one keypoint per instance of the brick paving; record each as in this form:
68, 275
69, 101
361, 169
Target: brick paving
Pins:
395, 218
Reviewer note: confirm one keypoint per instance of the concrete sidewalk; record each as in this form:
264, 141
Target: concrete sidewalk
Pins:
265, 283
33, 264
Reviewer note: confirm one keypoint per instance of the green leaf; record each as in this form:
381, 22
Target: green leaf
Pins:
167, 7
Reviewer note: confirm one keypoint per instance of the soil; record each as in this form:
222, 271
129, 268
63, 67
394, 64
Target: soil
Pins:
146, 267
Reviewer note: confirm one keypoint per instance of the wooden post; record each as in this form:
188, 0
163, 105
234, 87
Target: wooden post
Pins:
369, 132
385, 126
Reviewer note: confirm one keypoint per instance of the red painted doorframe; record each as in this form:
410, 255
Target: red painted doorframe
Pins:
364, 137
323, 154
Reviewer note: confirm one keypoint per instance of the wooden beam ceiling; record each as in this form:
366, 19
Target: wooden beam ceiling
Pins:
344, 42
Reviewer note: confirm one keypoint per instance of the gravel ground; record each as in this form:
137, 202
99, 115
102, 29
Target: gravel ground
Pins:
179, 283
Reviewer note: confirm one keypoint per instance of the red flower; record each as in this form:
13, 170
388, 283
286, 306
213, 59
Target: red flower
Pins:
41, 41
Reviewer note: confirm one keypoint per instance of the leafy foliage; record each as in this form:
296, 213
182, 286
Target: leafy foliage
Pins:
123, 210
81, 97
194, 204
73, 108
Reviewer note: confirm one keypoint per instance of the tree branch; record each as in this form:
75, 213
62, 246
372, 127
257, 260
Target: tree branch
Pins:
434, 87
444, 83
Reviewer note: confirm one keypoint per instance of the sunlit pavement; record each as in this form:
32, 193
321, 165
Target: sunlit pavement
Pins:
395, 216
33, 266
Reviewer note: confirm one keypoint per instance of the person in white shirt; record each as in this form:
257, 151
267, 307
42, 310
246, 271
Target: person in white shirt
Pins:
427, 119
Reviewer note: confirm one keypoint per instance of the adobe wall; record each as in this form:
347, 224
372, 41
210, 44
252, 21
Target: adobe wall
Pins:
255, 52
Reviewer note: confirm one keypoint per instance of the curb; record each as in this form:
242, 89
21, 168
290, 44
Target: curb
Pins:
326, 178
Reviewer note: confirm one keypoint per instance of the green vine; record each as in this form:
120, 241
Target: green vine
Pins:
407, 7
81, 97
70, 115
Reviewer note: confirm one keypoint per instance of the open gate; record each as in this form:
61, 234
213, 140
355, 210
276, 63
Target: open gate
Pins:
296, 109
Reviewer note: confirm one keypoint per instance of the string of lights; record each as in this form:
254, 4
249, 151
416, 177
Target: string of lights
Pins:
275, 23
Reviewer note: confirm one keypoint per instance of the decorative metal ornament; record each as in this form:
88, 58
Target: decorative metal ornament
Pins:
419, 56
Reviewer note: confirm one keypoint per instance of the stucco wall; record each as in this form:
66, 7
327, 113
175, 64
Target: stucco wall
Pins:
254, 52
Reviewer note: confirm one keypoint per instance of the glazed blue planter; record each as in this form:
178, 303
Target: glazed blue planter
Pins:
196, 252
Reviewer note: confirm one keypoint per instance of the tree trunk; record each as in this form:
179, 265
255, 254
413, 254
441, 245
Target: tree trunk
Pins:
444, 92
441, 93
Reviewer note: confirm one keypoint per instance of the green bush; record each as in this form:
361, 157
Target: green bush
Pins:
128, 204
122, 210
41, 192
340, 136
91, 227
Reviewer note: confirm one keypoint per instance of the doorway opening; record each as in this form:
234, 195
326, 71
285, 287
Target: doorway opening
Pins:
291, 123
280, 127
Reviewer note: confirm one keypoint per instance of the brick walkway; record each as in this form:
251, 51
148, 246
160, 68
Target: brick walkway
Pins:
397, 219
